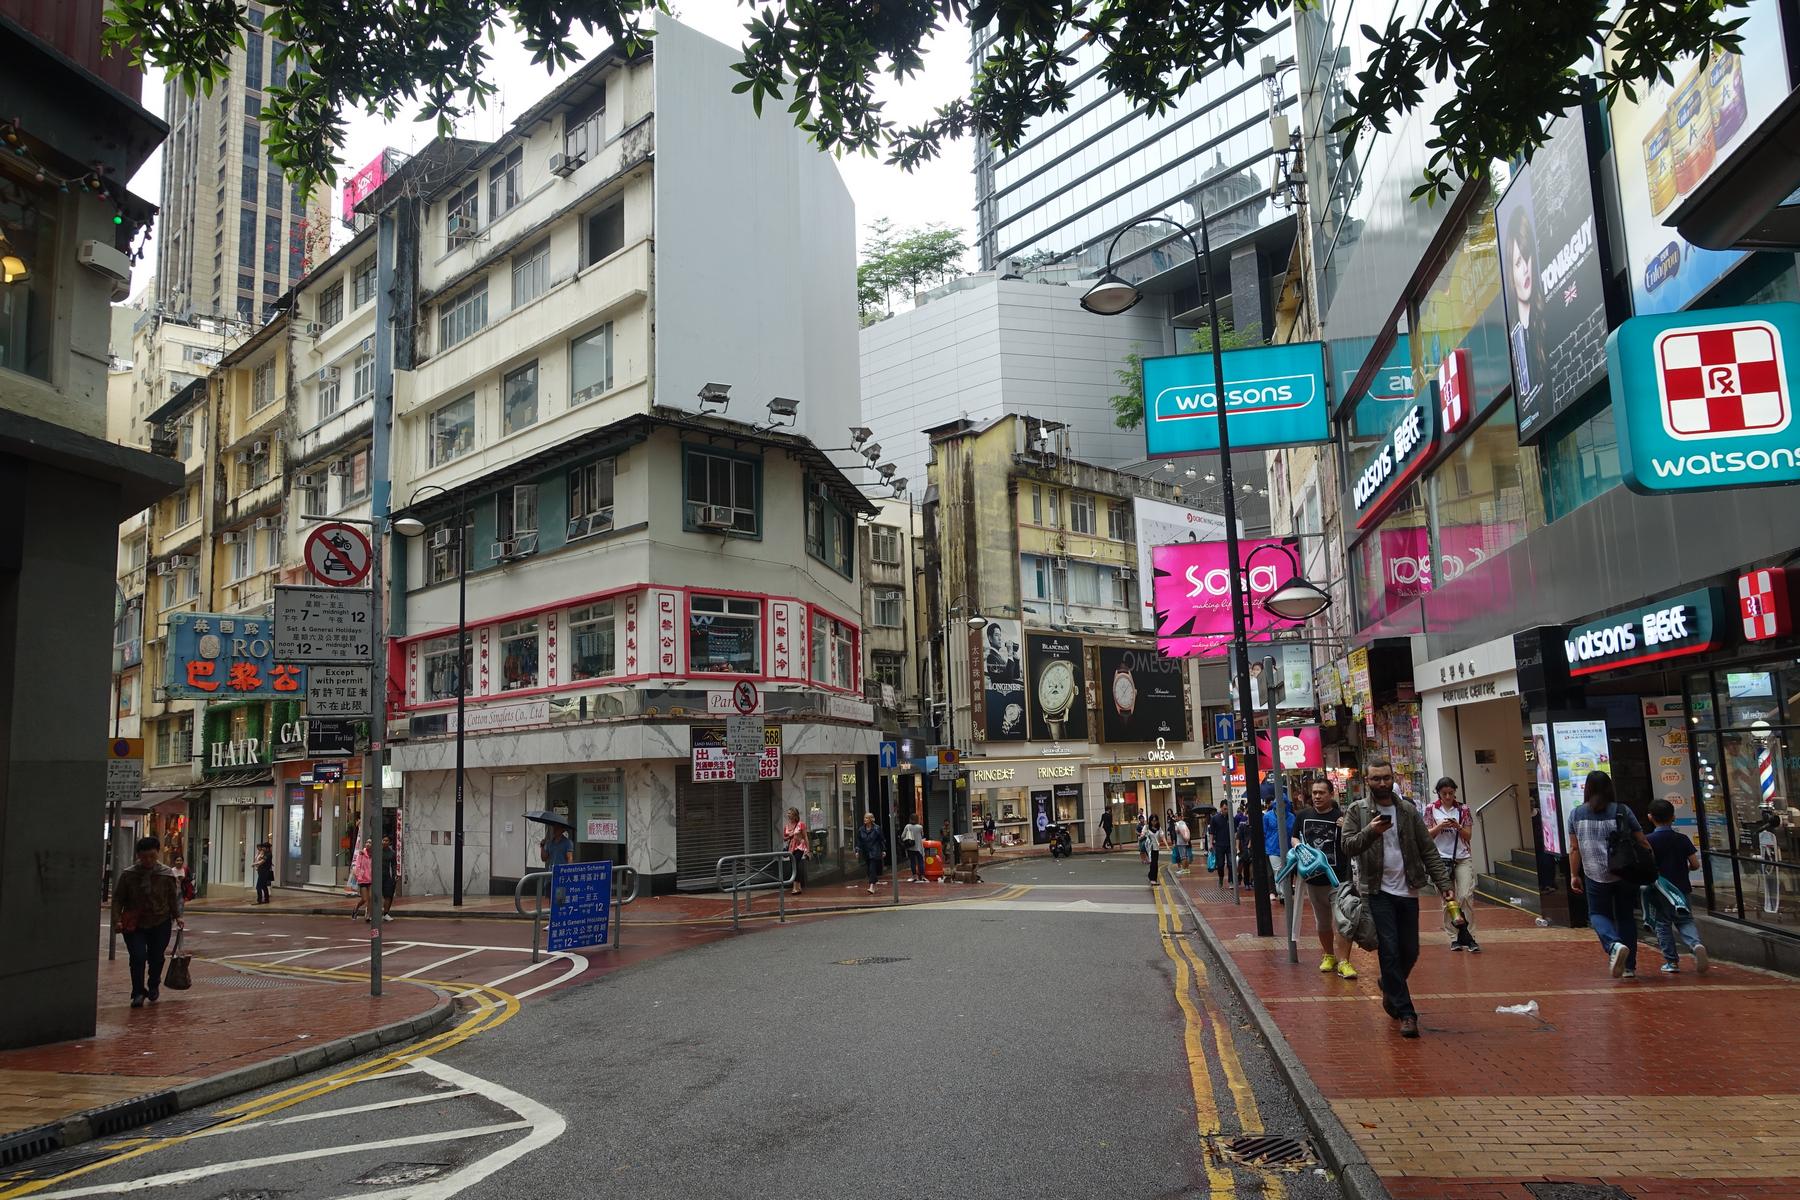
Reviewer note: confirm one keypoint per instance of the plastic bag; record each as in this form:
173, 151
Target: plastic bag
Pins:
1528, 1009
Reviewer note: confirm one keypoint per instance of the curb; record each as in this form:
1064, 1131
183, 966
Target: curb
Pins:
111, 1119
1339, 1150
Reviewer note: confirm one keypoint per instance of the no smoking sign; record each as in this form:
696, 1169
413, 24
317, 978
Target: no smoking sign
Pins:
338, 555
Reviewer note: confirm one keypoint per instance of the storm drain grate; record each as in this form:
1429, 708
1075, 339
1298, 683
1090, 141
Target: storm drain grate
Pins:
1259, 1150
873, 961
52, 1165
1577, 1191
29, 1143
399, 1174
129, 1114
192, 1122
258, 982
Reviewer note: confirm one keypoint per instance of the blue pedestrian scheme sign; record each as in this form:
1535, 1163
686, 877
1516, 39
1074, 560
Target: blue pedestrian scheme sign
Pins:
581, 904
1704, 399
1274, 395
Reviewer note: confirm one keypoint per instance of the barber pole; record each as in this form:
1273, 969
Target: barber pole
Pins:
1765, 771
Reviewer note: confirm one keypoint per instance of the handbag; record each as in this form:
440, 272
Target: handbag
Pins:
1212, 860
178, 974
1625, 855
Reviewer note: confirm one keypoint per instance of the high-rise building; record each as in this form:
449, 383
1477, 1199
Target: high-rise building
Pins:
231, 236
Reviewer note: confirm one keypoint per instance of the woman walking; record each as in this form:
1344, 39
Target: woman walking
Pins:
1148, 842
362, 874
795, 836
264, 870
390, 877
146, 906
869, 845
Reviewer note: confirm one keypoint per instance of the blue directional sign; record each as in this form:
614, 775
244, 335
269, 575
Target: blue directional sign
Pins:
890, 756
1224, 727
581, 904
1274, 396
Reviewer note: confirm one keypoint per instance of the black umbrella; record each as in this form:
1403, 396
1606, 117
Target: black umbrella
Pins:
543, 817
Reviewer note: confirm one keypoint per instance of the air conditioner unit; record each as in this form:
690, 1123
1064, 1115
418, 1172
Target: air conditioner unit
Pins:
267, 523
159, 694
307, 479
328, 374
564, 165
183, 562
313, 329
440, 539
231, 537
340, 468
1125, 573
367, 345
242, 457
259, 449
714, 516
165, 568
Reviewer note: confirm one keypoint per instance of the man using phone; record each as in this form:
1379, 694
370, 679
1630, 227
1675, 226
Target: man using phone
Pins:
1395, 858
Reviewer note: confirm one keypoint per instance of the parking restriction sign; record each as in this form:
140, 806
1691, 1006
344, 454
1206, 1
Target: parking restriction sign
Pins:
338, 555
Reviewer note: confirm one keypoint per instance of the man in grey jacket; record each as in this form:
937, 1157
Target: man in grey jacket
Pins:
1395, 858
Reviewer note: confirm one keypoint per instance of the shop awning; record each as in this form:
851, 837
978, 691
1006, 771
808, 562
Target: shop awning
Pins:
146, 801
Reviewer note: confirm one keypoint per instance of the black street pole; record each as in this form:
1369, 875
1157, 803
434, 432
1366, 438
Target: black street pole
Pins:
462, 690
1240, 637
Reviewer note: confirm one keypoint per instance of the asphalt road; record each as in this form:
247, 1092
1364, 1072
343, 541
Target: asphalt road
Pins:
1035, 1045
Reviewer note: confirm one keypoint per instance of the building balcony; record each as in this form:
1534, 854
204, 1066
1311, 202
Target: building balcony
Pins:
343, 426
259, 498
256, 591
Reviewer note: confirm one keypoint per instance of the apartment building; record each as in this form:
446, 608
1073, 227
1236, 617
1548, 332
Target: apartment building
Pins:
616, 460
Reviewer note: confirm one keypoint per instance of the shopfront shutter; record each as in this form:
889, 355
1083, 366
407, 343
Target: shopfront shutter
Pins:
709, 824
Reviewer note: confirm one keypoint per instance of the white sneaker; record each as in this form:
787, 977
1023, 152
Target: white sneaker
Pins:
1619, 954
1671, 969
1701, 961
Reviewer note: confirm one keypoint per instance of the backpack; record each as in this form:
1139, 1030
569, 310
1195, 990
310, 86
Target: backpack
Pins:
1352, 917
1626, 856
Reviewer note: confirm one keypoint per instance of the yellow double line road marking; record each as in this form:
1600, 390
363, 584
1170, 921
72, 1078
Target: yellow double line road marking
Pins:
496, 1008
1191, 980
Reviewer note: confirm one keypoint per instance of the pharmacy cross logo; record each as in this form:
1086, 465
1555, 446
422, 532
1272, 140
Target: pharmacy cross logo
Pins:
1454, 387
1763, 604
1721, 381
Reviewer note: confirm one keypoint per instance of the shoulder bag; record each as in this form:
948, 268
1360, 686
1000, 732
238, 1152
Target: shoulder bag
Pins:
1626, 856
179, 975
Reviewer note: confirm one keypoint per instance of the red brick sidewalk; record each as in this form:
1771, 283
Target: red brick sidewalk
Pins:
1670, 1087
227, 1022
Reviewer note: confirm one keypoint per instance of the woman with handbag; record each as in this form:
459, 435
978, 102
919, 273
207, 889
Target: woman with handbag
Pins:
796, 837
871, 845
265, 871
362, 876
1608, 859
146, 908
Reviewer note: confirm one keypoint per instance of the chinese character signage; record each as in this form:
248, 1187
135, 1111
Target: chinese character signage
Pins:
714, 763
219, 657
1704, 401
1671, 628
1394, 462
1274, 396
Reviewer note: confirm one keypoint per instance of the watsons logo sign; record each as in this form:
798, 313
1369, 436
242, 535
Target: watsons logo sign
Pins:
1401, 457
1680, 625
1273, 396
1704, 399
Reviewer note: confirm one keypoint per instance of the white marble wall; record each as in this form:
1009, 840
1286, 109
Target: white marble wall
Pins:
650, 817
429, 805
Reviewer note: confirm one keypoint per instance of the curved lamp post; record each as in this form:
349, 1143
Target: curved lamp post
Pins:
411, 527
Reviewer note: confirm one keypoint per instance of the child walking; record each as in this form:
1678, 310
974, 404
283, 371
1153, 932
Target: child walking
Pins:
1676, 859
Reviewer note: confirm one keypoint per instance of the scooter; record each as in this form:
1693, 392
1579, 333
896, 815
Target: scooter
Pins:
1060, 844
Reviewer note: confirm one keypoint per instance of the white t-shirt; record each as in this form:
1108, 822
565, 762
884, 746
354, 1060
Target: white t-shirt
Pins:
1182, 836
916, 833
1449, 842
1393, 865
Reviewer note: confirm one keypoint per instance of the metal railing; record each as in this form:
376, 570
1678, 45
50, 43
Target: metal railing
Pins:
624, 891
746, 874
1486, 850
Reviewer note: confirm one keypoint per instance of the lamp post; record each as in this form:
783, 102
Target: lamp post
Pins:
1109, 297
411, 526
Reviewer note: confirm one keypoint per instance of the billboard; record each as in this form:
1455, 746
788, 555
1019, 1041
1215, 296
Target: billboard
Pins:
1302, 749
1294, 662
1274, 395
220, 656
1002, 681
1158, 523
1667, 141
1551, 279
1141, 696
1704, 400
1058, 688
1191, 584
360, 185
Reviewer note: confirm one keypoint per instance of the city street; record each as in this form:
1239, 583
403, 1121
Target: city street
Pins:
1054, 1041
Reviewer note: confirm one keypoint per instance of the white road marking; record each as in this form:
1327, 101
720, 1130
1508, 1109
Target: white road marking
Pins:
546, 1127
172, 1178
338, 1112
1086, 887
237, 932
1074, 906
314, 937
439, 963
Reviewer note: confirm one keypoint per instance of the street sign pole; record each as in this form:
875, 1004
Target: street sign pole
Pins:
888, 790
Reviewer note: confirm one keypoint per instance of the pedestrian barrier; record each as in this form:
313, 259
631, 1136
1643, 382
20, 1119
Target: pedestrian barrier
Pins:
624, 891
746, 874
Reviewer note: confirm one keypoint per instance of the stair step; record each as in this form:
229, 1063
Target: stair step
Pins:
1501, 891
1526, 858
1525, 877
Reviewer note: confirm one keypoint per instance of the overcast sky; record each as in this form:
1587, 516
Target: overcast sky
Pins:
942, 191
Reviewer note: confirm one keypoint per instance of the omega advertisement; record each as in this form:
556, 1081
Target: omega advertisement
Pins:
1141, 697
1003, 681
1058, 689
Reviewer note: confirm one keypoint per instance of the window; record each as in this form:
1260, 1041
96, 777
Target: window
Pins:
363, 380
168, 591
887, 608
278, 67
584, 129
887, 668
29, 304
328, 397
605, 233
445, 669
247, 186
251, 141
139, 551
444, 549
183, 503
591, 364
273, 191
453, 430
530, 274
271, 248
1118, 522
311, 497
1121, 596
515, 512
253, 62
262, 387
243, 556
828, 536
362, 282
174, 741
519, 398
462, 214
1084, 584
725, 635
462, 317
591, 498
505, 186
255, 472
884, 544
1081, 513
1052, 508
591, 633
246, 243
833, 651
722, 494
356, 482
331, 305
519, 654
185, 432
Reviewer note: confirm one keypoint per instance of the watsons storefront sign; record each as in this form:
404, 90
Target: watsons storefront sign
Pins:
1704, 399
1681, 625
1275, 396
1395, 464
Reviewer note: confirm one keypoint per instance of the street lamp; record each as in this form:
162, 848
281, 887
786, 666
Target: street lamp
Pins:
411, 526
1108, 297
1299, 599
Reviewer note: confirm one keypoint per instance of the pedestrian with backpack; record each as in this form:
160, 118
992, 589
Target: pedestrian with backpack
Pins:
1677, 858
1604, 866
1452, 830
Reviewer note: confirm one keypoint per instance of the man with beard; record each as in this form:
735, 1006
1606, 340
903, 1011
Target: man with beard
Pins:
1395, 857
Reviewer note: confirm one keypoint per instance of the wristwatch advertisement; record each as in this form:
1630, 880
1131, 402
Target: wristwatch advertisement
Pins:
1059, 688
1124, 693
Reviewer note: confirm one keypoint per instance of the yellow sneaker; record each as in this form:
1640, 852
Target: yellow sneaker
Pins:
1345, 970
1328, 964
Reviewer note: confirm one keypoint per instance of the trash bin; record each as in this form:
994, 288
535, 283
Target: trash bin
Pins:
934, 860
